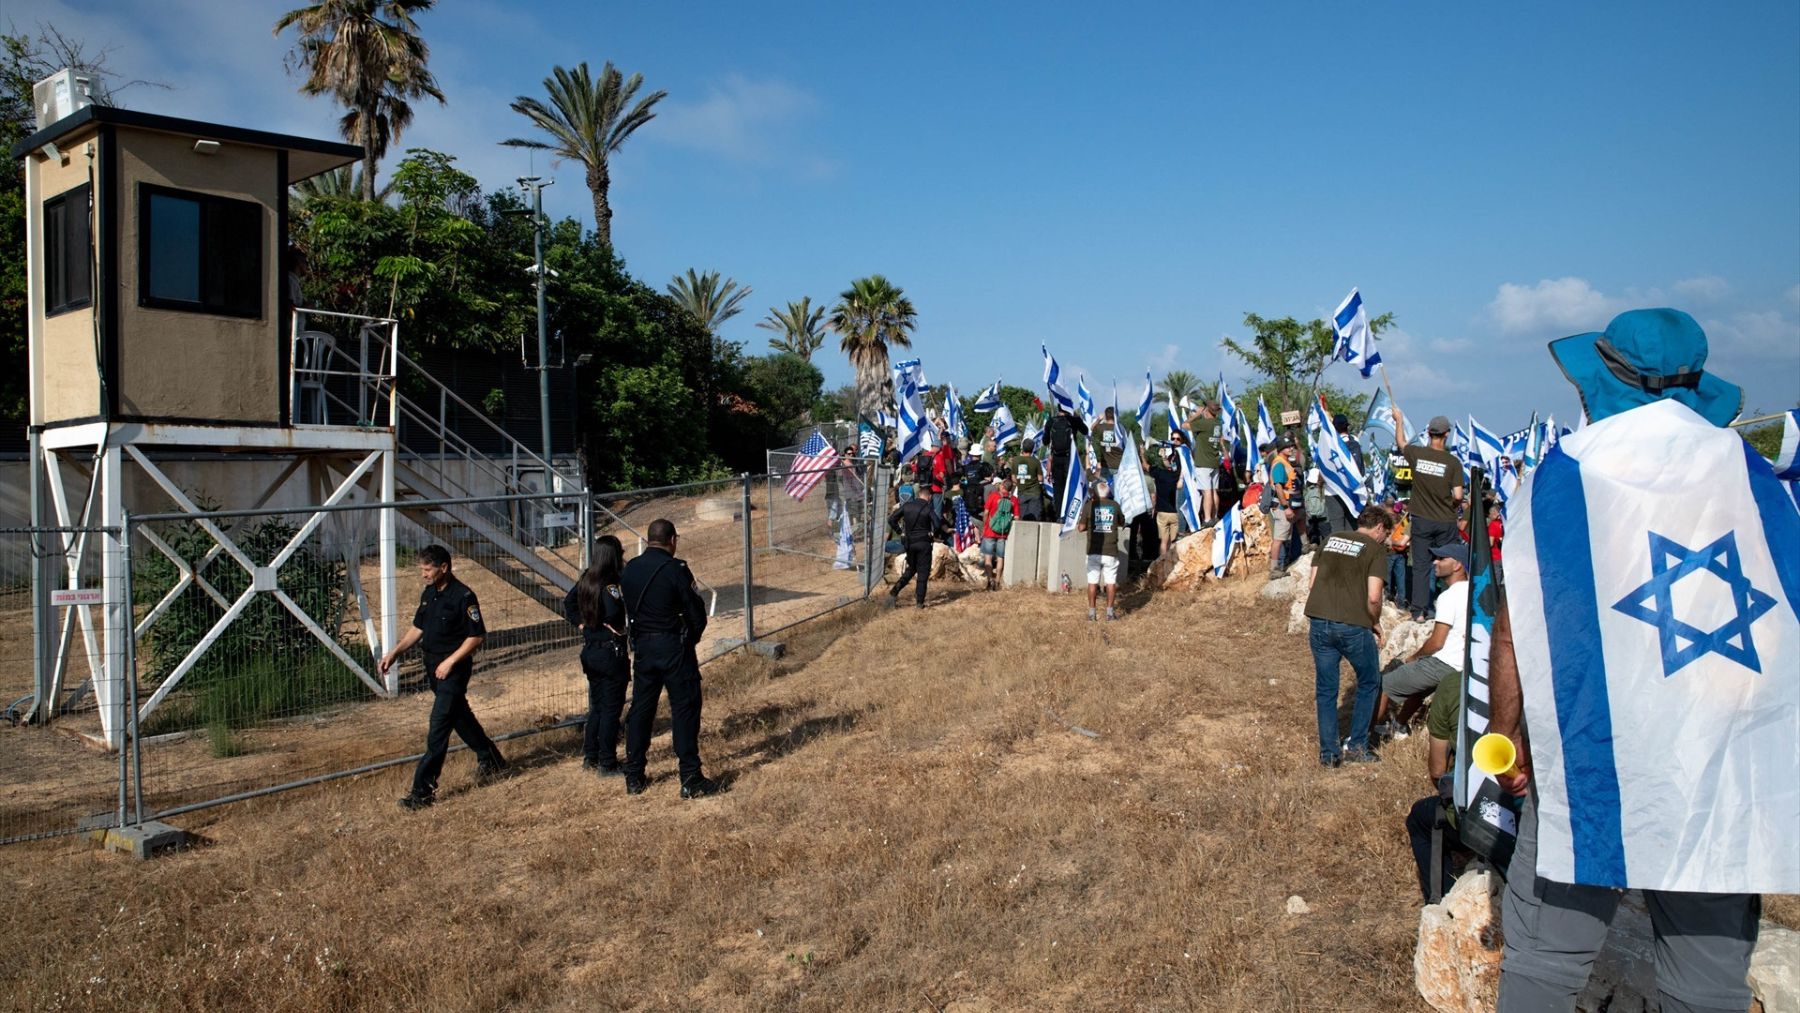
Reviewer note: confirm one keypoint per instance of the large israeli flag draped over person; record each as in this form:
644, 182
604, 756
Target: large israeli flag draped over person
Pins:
989, 399
1053, 381
1073, 494
1143, 408
1355, 340
1266, 433
1653, 573
1331, 455
1084, 400
1005, 429
1129, 485
1787, 460
1228, 535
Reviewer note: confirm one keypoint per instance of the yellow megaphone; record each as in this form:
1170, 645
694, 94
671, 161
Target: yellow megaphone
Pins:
1494, 755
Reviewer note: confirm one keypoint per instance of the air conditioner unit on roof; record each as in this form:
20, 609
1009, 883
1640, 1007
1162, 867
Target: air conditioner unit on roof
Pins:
60, 96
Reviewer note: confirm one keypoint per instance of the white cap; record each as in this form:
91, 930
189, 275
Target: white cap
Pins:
1314, 476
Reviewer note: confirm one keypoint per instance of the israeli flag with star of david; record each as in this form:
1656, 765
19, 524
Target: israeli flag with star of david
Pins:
1653, 572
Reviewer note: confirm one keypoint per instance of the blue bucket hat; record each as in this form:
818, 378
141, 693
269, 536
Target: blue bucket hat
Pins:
1645, 356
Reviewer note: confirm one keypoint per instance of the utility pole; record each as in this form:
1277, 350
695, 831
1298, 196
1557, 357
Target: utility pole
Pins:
536, 186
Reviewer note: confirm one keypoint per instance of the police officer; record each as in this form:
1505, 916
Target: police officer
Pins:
449, 627
667, 618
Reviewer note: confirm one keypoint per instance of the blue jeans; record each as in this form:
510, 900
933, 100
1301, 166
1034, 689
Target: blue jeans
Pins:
1331, 643
1399, 577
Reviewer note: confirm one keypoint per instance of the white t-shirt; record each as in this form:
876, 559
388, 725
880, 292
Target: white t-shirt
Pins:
1453, 611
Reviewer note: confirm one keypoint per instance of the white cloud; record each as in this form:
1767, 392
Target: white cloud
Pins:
1450, 346
1762, 335
1553, 304
1793, 296
1702, 288
1163, 361
747, 121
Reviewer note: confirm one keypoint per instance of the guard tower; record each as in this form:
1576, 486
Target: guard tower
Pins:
161, 321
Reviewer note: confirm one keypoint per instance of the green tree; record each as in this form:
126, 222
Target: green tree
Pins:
588, 120
1765, 438
711, 299
1179, 384
368, 55
872, 315
784, 387
1291, 356
799, 329
647, 414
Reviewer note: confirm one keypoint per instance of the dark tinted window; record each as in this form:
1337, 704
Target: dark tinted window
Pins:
200, 253
68, 251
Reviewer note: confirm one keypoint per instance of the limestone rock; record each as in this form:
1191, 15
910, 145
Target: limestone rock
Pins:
1298, 621
1401, 636
1279, 589
1456, 964
1188, 566
1775, 970
1297, 905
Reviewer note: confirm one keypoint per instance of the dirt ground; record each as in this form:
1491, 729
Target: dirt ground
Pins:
918, 819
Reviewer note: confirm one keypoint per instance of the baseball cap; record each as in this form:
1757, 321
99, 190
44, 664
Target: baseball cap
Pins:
1439, 425
1455, 550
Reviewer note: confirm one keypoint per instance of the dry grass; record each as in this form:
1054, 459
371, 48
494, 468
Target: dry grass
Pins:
909, 828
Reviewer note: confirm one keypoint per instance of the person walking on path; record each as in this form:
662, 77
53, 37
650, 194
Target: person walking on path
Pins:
1001, 509
596, 604
918, 526
667, 618
1344, 604
448, 627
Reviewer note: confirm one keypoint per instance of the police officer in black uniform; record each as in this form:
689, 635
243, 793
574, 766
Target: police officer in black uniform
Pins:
448, 626
667, 618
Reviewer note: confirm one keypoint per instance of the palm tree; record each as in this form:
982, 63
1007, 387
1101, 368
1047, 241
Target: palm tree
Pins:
1178, 384
588, 120
710, 300
369, 55
800, 328
343, 182
871, 315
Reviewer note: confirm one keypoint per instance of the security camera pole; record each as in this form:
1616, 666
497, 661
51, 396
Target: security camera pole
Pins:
536, 186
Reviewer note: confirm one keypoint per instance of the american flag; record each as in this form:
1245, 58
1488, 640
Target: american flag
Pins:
817, 456
966, 534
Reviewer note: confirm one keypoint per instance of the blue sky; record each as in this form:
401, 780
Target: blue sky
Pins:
1124, 182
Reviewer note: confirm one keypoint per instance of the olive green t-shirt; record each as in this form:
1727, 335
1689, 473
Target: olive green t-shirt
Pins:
1102, 517
1105, 437
1341, 571
1206, 444
1027, 474
1435, 473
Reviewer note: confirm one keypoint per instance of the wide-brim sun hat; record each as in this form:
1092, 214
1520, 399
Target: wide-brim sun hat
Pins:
1645, 356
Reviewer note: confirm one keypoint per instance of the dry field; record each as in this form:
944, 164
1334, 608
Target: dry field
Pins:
913, 824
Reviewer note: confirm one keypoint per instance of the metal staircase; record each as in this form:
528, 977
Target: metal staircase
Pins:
496, 515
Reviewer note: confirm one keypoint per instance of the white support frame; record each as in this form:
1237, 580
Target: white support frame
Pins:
264, 579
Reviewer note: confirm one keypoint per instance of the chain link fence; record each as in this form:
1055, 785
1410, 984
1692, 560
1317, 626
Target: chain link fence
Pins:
57, 774
258, 634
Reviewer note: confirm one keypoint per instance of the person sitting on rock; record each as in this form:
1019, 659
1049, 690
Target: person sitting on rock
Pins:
1442, 652
1440, 724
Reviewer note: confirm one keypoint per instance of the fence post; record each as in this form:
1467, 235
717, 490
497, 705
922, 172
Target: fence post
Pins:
129, 667
749, 609
587, 530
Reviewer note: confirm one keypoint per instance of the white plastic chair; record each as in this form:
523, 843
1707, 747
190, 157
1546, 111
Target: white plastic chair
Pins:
313, 349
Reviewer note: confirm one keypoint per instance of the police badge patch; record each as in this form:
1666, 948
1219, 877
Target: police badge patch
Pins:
474, 614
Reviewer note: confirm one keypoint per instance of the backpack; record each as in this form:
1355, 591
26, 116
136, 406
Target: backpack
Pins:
1267, 502
1001, 522
1061, 433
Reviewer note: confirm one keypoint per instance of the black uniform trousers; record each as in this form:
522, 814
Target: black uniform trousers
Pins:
918, 562
608, 670
1427, 535
450, 712
664, 661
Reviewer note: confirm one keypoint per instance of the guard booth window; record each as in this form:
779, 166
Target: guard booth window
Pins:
68, 251
199, 253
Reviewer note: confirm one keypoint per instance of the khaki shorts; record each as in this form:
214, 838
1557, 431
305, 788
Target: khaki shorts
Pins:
1103, 569
1168, 526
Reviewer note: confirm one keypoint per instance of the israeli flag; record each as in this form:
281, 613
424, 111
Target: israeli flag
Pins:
953, 414
1033, 429
1485, 446
1084, 399
1073, 495
1227, 537
1787, 461
1187, 493
887, 420
1266, 433
1463, 448
1144, 404
1230, 419
1175, 425
1053, 381
989, 399
1355, 341
1653, 573
1005, 429
914, 431
1130, 487
1331, 455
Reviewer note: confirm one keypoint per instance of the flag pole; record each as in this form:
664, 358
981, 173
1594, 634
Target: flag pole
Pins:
1759, 418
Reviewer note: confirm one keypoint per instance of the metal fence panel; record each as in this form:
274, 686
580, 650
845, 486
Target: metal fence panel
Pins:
56, 773
819, 544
